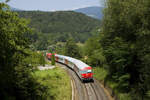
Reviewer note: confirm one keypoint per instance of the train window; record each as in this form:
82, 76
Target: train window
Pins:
89, 71
61, 58
85, 71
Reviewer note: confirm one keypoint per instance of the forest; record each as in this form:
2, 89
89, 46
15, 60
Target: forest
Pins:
50, 28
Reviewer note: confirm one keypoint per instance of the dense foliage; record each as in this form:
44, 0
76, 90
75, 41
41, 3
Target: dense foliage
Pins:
53, 59
71, 49
53, 27
16, 81
126, 44
124, 39
93, 52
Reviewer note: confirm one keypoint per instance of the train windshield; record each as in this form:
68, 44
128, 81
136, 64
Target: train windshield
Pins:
86, 71
89, 71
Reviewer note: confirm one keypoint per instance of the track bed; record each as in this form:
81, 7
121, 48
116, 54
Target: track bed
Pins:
87, 90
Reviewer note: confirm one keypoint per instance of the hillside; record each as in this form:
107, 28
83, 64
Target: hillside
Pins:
95, 12
60, 25
61, 21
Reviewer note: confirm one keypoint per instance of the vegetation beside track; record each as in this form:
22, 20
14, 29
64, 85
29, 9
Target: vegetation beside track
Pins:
57, 82
100, 74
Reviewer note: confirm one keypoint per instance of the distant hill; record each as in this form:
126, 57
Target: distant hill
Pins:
53, 27
95, 12
60, 21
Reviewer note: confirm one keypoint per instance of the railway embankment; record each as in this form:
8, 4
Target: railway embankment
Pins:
56, 81
109, 87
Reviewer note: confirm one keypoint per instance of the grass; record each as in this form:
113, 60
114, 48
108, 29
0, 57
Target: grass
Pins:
57, 82
48, 62
100, 74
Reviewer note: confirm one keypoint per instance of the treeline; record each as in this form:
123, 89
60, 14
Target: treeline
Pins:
53, 27
123, 47
17, 61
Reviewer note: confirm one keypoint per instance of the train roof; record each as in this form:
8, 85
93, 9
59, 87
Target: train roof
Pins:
78, 63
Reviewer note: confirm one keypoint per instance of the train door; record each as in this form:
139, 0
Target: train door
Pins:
61, 59
66, 61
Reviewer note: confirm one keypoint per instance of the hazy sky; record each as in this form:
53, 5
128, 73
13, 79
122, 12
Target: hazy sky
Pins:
52, 5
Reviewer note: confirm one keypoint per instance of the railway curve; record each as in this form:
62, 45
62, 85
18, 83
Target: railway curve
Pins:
87, 90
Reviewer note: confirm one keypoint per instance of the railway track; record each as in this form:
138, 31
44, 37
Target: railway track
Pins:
85, 91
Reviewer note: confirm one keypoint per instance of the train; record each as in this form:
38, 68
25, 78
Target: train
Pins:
83, 70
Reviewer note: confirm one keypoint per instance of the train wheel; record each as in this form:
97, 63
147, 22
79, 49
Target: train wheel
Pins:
92, 80
82, 81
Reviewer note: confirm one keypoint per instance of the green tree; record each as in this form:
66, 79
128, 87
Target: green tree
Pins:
42, 59
93, 52
53, 59
71, 49
125, 42
16, 81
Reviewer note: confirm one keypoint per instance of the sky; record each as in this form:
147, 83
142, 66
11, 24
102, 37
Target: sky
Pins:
53, 5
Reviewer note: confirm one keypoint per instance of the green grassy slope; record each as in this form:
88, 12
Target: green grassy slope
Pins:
57, 82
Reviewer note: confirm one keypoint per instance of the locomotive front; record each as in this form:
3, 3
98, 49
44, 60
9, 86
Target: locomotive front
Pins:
86, 74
